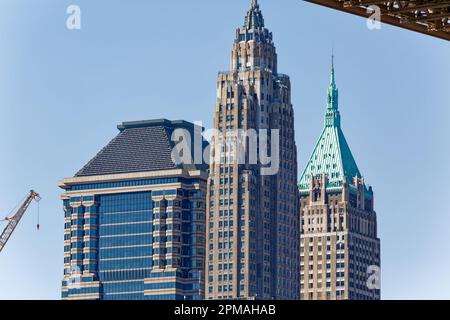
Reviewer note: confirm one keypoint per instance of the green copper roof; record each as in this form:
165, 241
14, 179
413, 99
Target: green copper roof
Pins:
332, 155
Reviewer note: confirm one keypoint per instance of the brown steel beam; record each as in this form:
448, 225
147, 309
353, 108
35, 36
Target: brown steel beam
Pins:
386, 17
442, 4
433, 17
351, 3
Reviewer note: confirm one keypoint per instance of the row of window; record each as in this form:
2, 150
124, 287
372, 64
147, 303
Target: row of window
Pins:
133, 183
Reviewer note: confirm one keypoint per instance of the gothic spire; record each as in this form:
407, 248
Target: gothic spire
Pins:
254, 18
333, 92
333, 117
332, 81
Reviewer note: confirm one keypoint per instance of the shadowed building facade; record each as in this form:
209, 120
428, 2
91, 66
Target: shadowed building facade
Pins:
135, 221
253, 223
340, 250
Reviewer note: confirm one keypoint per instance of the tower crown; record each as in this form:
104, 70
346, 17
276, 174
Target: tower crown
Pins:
254, 18
253, 47
332, 156
253, 28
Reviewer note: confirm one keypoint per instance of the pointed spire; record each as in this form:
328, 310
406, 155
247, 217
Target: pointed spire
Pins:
254, 18
333, 93
332, 156
333, 117
332, 81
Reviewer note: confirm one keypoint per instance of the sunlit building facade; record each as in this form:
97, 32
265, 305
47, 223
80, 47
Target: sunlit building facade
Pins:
252, 215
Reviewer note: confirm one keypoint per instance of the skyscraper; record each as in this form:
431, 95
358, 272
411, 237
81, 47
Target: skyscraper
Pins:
340, 251
135, 219
253, 222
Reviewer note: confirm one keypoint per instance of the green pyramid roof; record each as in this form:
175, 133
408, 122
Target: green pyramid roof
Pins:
332, 155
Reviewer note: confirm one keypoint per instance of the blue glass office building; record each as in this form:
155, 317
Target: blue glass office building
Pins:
135, 221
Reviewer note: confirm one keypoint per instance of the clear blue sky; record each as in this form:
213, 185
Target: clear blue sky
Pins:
63, 92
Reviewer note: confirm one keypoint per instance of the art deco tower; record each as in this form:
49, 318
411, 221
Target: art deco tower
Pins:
340, 251
253, 223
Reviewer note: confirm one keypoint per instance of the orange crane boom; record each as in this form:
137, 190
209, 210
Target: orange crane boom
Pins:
15, 219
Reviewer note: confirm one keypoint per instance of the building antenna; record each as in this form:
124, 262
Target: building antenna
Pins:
332, 57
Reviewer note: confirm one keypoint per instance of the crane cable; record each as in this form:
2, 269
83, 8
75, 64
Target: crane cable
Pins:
6, 219
38, 214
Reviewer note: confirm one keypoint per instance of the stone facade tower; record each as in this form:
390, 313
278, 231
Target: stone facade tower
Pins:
340, 251
253, 223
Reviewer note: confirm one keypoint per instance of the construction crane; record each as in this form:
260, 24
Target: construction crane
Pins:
15, 219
